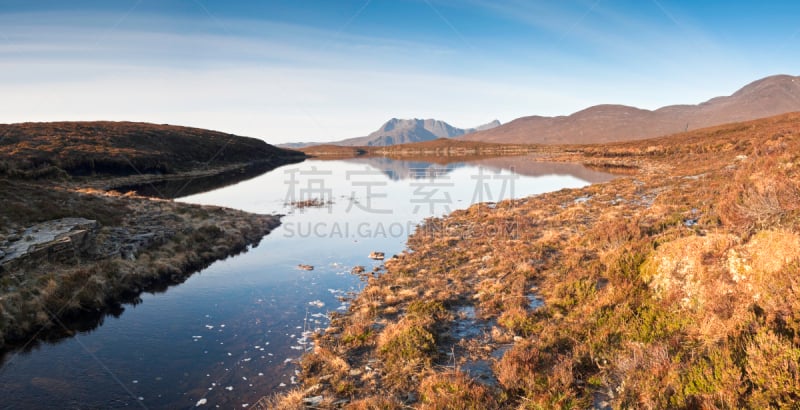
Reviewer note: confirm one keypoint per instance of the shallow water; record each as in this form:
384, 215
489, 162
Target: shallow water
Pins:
230, 332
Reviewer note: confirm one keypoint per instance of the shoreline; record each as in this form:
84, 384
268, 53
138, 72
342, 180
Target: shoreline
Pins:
121, 246
665, 288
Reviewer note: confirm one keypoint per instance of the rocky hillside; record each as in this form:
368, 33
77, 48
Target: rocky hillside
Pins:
400, 131
124, 148
608, 123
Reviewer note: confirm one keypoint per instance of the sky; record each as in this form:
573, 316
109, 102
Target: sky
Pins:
322, 70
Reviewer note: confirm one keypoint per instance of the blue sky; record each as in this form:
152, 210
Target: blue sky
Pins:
324, 70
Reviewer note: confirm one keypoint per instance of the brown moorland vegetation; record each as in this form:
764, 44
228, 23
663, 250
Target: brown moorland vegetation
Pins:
124, 148
125, 244
673, 287
40, 297
437, 151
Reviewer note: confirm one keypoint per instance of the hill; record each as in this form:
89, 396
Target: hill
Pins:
71, 253
125, 148
403, 131
613, 123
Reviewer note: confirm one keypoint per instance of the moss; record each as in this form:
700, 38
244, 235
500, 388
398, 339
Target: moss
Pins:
652, 323
518, 321
413, 343
358, 339
773, 369
426, 309
713, 379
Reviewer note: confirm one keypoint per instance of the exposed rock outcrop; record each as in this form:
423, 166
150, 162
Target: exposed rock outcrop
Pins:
60, 240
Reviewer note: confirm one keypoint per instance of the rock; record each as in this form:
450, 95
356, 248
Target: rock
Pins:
59, 240
2, 254
355, 372
357, 269
376, 255
305, 267
313, 390
313, 401
201, 402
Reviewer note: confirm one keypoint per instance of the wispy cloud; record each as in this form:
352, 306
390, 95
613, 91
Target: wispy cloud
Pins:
286, 81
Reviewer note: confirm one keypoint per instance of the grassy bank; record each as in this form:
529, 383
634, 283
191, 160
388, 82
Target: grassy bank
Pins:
675, 286
50, 171
40, 298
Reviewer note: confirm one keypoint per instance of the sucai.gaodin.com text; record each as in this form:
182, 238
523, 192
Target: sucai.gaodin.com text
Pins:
379, 230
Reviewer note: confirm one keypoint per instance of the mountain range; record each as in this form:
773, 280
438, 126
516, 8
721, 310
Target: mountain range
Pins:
611, 123
403, 131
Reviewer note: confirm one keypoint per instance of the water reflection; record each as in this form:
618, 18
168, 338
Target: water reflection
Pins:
182, 187
524, 165
230, 333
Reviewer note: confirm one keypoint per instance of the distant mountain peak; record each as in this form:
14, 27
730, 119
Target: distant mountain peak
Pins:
489, 125
401, 131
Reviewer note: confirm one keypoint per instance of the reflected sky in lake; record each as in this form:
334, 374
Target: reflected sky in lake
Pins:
229, 333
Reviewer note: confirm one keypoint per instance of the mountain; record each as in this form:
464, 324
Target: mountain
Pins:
609, 123
400, 131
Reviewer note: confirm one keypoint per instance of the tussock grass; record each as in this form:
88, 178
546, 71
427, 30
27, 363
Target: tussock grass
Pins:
673, 287
37, 297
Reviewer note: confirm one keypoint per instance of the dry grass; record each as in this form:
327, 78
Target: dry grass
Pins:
673, 287
455, 391
51, 150
93, 284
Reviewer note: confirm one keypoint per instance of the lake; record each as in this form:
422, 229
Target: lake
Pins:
230, 333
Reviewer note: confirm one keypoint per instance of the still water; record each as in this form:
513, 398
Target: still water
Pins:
230, 333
